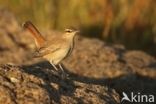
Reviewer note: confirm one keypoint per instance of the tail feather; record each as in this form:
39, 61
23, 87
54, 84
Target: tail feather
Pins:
35, 33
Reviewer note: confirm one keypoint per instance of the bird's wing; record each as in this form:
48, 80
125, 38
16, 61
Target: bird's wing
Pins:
45, 50
50, 47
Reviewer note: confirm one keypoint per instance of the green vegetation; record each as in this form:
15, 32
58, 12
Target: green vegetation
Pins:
130, 22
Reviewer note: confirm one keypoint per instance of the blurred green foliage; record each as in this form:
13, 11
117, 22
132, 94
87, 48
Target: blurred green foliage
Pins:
130, 22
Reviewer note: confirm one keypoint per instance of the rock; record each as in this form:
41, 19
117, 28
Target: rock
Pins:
36, 86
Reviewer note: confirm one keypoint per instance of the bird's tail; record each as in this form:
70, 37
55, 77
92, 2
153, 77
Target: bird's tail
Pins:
39, 39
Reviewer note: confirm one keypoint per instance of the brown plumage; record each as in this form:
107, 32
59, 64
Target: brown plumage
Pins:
54, 50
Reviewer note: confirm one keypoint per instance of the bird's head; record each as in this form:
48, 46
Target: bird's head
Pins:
71, 32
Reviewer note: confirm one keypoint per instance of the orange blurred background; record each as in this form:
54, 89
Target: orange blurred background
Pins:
128, 22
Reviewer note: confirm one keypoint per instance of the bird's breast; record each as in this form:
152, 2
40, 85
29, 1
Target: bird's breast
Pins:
57, 56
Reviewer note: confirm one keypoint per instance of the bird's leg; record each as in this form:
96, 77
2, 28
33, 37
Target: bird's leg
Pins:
54, 66
63, 75
63, 72
56, 72
61, 68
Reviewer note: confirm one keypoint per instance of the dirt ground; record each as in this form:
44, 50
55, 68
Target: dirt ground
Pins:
98, 72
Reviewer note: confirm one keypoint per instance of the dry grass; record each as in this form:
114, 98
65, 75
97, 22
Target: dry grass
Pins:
118, 21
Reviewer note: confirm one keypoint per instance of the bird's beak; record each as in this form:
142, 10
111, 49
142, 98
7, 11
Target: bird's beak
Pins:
77, 32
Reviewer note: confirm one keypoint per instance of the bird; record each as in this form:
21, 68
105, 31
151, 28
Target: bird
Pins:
54, 50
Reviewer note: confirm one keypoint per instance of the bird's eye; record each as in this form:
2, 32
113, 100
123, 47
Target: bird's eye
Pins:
68, 30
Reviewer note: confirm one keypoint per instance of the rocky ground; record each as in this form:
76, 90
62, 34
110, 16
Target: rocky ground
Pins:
98, 72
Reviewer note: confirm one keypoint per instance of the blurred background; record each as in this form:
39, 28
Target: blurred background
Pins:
128, 22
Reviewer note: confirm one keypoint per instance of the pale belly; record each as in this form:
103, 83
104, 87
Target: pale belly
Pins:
57, 56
